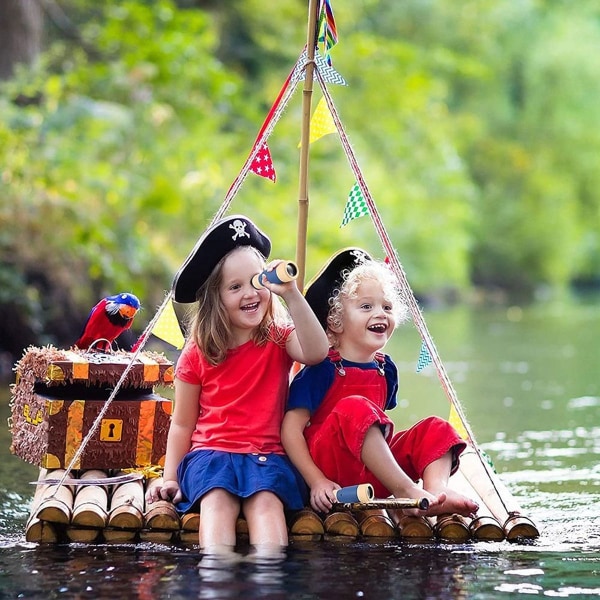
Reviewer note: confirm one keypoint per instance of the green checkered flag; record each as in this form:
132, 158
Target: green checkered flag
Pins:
355, 206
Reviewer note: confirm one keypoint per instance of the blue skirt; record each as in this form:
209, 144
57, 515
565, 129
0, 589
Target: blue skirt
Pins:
240, 474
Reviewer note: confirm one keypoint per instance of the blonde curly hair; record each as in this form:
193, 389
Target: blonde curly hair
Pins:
351, 281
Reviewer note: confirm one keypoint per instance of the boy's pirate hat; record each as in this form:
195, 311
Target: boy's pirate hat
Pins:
217, 241
323, 285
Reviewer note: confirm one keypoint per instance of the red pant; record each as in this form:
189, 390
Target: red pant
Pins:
336, 443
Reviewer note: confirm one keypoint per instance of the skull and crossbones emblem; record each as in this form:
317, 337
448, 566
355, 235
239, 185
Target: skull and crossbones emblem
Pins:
240, 229
359, 256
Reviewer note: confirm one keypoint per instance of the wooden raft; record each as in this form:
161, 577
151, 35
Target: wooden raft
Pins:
118, 513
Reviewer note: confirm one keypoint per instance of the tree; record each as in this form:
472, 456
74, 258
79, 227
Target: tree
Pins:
21, 32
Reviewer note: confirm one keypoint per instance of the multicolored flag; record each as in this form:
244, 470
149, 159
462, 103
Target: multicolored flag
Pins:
167, 327
327, 30
356, 206
262, 164
424, 358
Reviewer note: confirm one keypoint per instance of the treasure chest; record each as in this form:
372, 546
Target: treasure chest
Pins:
63, 404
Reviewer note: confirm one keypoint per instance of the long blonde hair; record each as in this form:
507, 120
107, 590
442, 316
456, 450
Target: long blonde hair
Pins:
351, 281
209, 325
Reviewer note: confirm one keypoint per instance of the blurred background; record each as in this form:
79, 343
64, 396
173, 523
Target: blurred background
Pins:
124, 122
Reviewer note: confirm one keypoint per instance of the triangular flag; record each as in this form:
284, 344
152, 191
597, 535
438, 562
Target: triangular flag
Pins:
355, 206
321, 123
327, 72
263, 164
424, 358
167, 327
456, 422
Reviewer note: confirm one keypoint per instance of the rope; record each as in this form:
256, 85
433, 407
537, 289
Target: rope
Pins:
398, 270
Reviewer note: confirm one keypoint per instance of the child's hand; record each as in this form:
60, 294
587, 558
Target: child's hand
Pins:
321, 495
169, 490
277, 278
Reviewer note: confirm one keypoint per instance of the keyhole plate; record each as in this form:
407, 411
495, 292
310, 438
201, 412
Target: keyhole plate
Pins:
111, 430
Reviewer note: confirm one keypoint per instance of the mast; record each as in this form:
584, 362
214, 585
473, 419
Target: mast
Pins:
311, 42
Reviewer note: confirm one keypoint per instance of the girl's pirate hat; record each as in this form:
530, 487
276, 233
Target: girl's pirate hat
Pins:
330, 278
217, 241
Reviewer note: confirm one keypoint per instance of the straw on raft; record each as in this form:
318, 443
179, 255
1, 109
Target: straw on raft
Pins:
119, 514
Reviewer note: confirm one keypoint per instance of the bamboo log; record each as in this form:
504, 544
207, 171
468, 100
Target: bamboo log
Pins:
83, 535
36, 530
189, 537
127, 506
157, 536
41, 532
375, 523
119, 536
90, 507
190, 522
190, 528
306, 523
484, 527
241, 527
55, 502
450, 528
160, 514
500, 501
411, 526
341, 524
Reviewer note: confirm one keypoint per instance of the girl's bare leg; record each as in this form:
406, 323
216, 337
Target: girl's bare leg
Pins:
219, 511
266, 523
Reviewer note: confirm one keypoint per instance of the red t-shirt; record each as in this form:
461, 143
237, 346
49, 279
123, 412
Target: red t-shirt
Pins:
242, 399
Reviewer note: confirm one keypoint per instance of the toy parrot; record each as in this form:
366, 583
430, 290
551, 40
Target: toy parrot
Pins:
107, 320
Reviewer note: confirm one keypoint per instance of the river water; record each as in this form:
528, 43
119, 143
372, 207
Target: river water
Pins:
528, 381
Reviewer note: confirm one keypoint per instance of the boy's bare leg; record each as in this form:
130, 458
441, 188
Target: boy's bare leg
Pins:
378, 458
435, 480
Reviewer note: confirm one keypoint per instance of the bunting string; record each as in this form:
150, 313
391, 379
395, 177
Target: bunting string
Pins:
394, 262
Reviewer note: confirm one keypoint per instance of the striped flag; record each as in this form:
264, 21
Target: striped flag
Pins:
355, 206
327, 29
424, 358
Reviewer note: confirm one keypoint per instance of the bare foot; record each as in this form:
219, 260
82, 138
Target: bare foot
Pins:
453, 503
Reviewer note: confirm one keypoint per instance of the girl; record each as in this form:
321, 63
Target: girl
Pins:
335, 430
224, 447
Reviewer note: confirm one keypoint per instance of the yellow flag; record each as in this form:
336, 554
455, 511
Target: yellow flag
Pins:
167, 327
321, 123
456, 422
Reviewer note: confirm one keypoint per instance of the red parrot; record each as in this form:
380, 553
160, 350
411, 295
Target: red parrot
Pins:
107, 320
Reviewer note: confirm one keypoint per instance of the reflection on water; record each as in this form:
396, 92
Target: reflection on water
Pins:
531, 391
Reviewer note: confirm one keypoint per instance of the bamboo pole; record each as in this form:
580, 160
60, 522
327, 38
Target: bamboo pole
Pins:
311, 43
497, 497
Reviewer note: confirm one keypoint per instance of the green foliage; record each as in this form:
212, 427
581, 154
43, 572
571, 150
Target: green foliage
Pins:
476, 127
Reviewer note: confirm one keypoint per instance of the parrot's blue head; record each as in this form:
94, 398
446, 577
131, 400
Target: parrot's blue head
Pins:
125, 304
